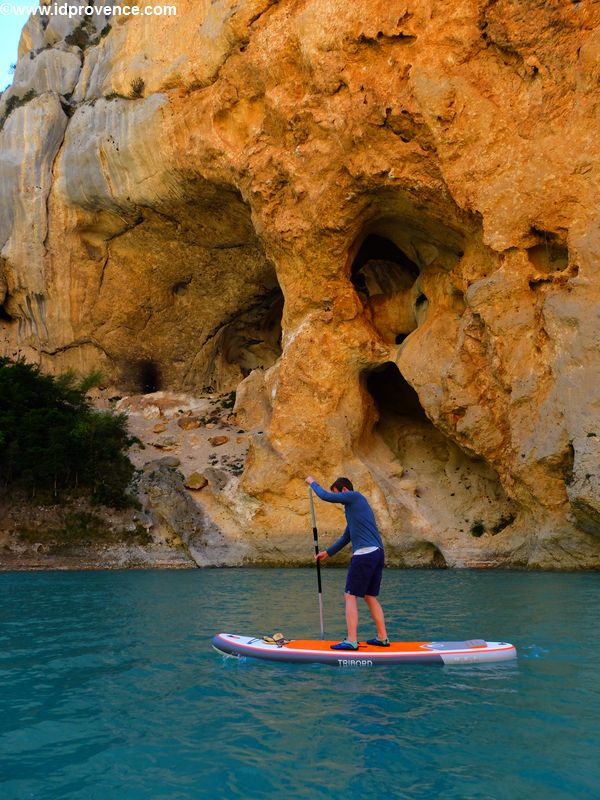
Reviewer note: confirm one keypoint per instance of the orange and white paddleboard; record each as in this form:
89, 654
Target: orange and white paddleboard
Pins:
310, 651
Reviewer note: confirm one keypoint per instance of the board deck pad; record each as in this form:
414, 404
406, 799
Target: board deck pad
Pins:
470, 651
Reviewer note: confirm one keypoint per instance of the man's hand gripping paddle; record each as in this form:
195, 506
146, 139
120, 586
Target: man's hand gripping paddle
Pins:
316, 538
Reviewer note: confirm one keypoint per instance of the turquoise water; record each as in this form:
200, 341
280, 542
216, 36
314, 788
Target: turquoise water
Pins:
109, 689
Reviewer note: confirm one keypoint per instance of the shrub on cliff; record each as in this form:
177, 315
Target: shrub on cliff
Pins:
51, 439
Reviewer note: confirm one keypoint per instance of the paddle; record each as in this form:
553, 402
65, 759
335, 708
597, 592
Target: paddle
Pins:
316, 538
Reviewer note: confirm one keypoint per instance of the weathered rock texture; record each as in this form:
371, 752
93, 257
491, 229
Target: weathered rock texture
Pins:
378, 221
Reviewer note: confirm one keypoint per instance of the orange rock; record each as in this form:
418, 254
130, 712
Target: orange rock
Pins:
188, 423
217, 441
196, 481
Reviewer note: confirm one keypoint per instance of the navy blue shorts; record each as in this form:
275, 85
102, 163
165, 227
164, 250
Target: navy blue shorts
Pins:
364, 574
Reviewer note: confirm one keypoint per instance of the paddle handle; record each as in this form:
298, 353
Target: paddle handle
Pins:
316, 540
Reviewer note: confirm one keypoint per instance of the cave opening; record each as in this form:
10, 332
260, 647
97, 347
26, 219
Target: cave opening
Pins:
140, 376
549, 254
250, 339
148, 376
454, 489
253, 339
387, 280
446, 488
380, 267
377, 248
393, 395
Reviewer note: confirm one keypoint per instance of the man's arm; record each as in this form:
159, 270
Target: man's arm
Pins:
340, 543
345, 498
331, 497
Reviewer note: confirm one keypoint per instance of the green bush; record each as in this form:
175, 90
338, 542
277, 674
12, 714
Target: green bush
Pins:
51, 439
82, 36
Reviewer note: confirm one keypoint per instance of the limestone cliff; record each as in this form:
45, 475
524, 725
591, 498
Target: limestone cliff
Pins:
376, 221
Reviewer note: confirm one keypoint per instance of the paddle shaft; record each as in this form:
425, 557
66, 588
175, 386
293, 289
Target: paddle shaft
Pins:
316, 538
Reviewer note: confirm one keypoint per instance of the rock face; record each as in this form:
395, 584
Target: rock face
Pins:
175, 516
377, 222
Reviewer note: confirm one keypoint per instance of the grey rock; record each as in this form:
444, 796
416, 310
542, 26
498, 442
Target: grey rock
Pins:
166, 443
216, 477
172, 462
43, 32
128, 130
175, 514
29, 142
50, 71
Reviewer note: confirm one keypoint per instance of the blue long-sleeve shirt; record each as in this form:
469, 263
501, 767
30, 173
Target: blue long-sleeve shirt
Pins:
361, 528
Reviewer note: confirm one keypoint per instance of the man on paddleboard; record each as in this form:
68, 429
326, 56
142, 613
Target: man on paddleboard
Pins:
366, 565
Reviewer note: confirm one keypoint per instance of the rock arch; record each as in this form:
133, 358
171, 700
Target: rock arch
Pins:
444, 487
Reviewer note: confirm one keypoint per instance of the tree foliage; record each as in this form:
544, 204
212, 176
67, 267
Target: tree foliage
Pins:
51, 439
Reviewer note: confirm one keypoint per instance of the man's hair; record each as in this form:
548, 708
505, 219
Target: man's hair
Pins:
341, 483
